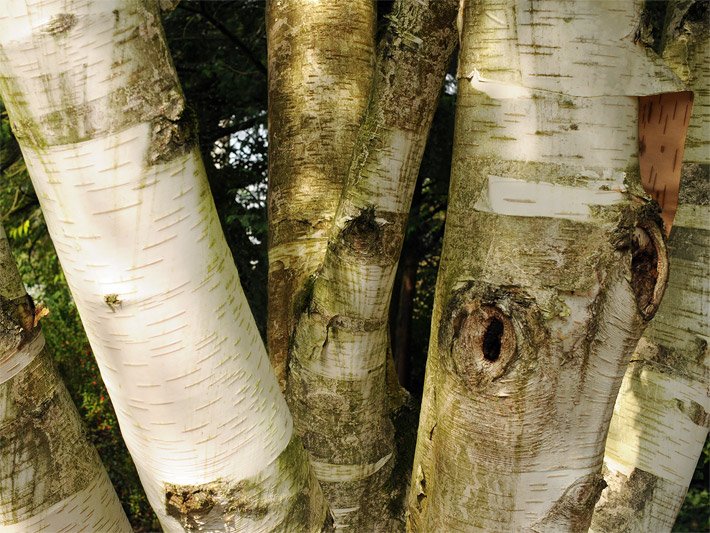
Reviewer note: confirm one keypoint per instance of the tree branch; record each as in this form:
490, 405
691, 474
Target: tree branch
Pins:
239, 126
236, 41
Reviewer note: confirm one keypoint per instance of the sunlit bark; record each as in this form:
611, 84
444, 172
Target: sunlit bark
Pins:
51, 478
661, 418
96, 106
553, 262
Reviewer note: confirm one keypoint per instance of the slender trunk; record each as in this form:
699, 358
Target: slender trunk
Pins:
401, 335
51, 478
337, 371
319, 83
552, 264
661, 416
110, 146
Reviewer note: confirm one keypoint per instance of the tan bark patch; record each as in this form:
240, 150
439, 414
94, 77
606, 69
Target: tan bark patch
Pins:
663, 126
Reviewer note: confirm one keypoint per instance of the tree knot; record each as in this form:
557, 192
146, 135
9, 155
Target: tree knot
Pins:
362, 234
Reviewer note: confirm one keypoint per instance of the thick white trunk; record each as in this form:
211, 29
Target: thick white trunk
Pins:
102, 124
552, 264
51, 478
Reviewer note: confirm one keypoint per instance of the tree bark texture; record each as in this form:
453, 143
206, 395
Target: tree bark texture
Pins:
321, 57
51, 478
401, 329
661, 418
110, 145
336, 383
553, 262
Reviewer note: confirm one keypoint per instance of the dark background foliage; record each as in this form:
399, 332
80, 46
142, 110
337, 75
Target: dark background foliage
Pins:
219, 50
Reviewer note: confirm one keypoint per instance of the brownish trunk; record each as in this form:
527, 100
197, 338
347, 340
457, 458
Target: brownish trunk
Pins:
401, 327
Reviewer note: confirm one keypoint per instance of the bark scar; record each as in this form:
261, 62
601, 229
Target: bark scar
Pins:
573, 510
649, 268
59, 24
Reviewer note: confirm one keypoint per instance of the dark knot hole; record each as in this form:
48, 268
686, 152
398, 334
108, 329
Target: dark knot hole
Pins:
492, 339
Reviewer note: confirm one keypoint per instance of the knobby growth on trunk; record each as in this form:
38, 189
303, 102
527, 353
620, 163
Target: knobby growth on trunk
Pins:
661, 418
553, 262
336, 373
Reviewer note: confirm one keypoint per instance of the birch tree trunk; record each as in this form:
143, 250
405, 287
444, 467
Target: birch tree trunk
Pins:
336, 381
319, 84
51, 478
553, 262
661, 419
96, 106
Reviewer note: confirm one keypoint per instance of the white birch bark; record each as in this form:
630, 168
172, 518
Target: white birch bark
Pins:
337, 381
552, 264
51, 478
321, 57
98, 111
661, 418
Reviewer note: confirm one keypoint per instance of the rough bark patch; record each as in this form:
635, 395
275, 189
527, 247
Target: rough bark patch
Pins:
17, 321
626, 498
362, 234
195, 505
695, 412
172, 135
695, 184
374, 235
573, 511
284, 491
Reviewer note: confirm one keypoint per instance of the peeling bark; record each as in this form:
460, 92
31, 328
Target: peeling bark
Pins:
553, 262
51, 478
661, 420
